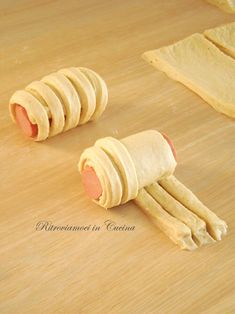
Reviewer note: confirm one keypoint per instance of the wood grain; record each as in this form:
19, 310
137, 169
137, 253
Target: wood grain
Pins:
138, 271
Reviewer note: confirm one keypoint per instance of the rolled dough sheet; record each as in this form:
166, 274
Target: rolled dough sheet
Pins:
223, 37
201, 66
225, 5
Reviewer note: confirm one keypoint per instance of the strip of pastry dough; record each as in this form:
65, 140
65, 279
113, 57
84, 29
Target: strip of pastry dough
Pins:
226, 5
45, 95
100, 90
120, 156
176, 209
223, 37
37, 113
84, 90
201, 66
177, 231
68, 97
215, 225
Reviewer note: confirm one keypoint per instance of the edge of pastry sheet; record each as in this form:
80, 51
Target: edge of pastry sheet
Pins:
225, 5
222, 37
157, 59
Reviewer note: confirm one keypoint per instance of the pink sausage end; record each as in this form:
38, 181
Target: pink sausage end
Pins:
169, 141
22, 119
91, 183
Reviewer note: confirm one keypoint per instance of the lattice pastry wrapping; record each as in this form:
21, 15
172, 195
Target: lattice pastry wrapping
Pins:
59, 102
140, 167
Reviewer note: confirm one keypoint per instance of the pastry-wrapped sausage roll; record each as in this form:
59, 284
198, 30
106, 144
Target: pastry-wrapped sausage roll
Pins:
125, 166
140, 167
59, 102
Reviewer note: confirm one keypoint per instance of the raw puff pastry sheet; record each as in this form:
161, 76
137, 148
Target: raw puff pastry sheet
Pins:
223, 37
202, 67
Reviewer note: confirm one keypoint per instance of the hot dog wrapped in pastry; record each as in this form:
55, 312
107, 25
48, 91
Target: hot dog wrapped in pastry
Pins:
59, 102
140, 167
125, 166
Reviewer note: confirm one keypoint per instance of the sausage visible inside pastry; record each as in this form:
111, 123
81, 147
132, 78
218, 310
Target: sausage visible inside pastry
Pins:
59, 102
140, 167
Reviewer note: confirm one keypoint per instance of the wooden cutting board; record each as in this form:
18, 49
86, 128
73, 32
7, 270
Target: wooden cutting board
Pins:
138, 271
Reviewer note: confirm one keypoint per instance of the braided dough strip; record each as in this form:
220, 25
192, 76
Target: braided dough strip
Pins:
177, 231
177, 210
84, 90
216, 226
47, 97
101, 91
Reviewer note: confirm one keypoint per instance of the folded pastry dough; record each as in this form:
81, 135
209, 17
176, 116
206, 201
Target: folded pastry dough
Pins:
201, 66
226, 5
125, 166
62, 100
223, 37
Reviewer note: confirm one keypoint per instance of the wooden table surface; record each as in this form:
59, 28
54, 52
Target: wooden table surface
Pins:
139, 271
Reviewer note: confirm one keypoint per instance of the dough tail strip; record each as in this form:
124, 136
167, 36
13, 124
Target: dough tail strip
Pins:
215, 226
176, 230
177, 210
